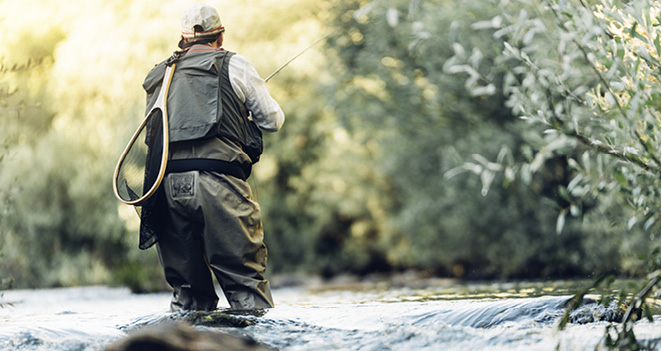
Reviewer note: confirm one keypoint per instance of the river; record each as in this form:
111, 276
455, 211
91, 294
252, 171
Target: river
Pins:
442, 316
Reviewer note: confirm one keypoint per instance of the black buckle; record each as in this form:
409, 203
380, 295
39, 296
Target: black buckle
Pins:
175, 57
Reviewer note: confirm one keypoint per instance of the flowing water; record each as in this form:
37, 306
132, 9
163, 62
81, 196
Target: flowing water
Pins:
446, 316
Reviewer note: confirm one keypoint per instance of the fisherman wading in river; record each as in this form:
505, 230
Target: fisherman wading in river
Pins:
204, 218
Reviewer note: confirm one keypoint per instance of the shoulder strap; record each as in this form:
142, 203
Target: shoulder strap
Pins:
218, 64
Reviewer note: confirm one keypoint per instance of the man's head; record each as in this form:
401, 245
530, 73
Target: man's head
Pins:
201, 23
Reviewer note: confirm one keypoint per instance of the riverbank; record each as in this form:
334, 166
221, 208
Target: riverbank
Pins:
449, 288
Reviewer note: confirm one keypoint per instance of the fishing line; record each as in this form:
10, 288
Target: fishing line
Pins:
361, 12
300, 53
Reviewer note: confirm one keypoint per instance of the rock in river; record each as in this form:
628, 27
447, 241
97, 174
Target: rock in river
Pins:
179, 336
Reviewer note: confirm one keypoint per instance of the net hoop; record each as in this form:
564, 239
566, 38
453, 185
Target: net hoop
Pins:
160, 104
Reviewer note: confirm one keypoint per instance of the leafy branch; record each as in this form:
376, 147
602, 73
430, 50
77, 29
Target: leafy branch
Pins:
602, 79
559, 124
625, 337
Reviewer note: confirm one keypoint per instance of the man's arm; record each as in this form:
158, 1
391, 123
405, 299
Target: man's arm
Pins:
251, 89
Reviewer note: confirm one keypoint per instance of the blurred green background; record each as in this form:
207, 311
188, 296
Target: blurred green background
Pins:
475, 139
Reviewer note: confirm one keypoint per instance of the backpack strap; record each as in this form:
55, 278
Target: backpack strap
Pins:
218, 64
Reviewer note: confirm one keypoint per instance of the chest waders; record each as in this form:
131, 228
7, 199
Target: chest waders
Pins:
209, 222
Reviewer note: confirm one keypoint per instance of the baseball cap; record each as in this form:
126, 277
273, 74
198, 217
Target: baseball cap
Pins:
201, 20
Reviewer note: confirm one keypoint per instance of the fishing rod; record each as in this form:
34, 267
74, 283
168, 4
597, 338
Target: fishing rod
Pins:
301, 53
360, 12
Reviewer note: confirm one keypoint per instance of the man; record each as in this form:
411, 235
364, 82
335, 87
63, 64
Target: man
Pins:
207, 218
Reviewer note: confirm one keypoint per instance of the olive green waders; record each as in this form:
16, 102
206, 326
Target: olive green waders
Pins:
213, 225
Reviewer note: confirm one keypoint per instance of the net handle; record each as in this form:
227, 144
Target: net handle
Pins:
161, 103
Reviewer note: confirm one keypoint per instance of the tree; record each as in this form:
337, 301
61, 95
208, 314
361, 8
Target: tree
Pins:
393, 91
589, 77
585, 77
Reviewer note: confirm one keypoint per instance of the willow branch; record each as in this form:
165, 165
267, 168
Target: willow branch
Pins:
635, 305
559, 125
601, 77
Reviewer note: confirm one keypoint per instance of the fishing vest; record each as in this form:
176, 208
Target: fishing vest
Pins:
202, 102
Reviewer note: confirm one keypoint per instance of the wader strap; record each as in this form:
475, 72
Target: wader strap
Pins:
205, 164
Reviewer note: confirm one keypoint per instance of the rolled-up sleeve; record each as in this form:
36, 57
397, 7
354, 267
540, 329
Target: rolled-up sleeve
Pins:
252, 91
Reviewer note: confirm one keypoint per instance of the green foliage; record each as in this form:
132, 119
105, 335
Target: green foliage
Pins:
320, 199
366, 174
586, 80
59, 222
12, 105
393, 90
631, 304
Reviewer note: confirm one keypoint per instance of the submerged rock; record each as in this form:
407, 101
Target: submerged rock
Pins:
179, 336
592, 311
215, 319
219, 318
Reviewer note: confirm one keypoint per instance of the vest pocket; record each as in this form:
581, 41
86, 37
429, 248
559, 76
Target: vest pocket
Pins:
192, 105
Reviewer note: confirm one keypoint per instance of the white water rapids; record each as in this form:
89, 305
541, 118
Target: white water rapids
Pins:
88, 318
